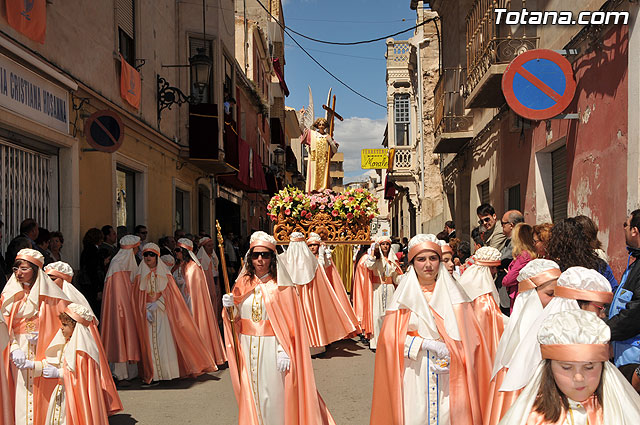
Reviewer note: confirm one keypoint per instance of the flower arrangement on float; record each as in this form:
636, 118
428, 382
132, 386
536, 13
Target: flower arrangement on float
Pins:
335, 215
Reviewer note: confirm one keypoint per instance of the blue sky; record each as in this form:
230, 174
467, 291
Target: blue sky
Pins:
362, 67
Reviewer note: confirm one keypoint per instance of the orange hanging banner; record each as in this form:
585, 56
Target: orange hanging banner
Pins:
129, 83
28, 17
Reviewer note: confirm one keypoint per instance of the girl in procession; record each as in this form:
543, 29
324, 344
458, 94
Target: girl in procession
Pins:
270, 363
424, 369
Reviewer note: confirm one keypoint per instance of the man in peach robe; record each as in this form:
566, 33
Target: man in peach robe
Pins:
118, 328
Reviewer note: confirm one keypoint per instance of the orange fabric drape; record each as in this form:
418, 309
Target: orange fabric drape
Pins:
118, 327
129, 83
363, 297
28, 18
6, 405
85, 404
109, 391
203, 311
491, 322
325, 318
341, 293
303, 406
193, 356
499, 401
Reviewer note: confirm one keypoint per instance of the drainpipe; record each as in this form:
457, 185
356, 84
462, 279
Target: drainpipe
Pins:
421, 118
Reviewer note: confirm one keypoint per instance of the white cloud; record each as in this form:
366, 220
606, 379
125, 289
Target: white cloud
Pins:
361, 177
353, 135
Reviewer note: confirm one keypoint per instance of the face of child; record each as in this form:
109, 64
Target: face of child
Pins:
447, 259
67, 329
545, 292
577, 380
314, 248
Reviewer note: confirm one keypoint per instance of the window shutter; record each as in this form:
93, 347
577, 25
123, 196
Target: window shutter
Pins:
559, 179
125, 12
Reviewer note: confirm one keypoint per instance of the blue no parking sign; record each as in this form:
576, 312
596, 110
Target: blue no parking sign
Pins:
539, 84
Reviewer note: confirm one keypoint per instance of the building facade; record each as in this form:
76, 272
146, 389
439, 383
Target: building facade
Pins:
168, 172
548, 169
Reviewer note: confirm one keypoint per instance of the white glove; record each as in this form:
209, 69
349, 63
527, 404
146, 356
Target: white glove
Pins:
51, 372
437, 369
283, 362
152, 306
18, 358
149, 316
438, 348
32, 337
28, 364
372, 250
227, 300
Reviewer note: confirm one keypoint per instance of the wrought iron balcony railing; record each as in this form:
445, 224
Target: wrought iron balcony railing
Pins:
450, 115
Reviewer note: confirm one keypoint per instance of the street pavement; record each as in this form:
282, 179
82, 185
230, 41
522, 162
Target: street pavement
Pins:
344, 377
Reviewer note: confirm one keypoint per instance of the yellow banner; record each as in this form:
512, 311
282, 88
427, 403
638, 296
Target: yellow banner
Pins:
374, 159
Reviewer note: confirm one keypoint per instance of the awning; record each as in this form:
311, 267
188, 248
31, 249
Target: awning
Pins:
278, 70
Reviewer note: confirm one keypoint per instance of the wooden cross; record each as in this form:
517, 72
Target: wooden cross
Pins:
331, 113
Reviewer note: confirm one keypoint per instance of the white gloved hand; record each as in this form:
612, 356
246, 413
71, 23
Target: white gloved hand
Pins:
51, 372
438, 348
227, 300
152, 306
32, 337
283, 362
372, 250
18, 358
28, 364
149, 316
439, 369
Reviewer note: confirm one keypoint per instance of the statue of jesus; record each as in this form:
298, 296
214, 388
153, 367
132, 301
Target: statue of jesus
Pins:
321, 148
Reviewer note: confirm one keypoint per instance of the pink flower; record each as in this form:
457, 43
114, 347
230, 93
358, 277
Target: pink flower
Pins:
300, 196
277, 198
330, 204
359, 190
351, 198
289, 199
371, 216
349, 216
357, 207
321, 207
335, 213
368, 198
303, 213
287, 211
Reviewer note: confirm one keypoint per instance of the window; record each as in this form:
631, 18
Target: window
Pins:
559, 184
402, 119
513, 198
483, 192
126, 198
228, 78
125, 19
182, 210
207, 49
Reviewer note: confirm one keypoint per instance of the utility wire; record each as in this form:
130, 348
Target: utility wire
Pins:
318, 63
340, 54
345, 22
353, 43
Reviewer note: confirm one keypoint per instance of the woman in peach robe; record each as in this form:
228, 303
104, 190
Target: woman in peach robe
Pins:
189, 272
31, 304
171, 345
61, 274
118, 328
424, 370
272, 374
6, 408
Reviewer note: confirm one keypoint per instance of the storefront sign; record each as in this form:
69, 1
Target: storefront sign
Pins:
32, 96
374, 159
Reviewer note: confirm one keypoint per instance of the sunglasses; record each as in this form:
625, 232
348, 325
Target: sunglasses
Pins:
484, 220
149, 254
265, 255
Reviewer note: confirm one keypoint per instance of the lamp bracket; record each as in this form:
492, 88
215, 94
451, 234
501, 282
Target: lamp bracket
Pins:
168, 96
140, 65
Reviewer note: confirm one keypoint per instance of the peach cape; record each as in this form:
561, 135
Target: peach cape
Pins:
594, 413
326, 319
202, 309
303, 405
193, 356
85, 403
469, 372
118, 327
6, 407
491, 321
341, 293
48, 325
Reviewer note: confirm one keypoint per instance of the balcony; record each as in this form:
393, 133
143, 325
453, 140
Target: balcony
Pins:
204, 145
404, 158
400, 61
490, 48
452, 122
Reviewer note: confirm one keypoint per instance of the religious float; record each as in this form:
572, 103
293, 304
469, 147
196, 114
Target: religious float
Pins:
338, 217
